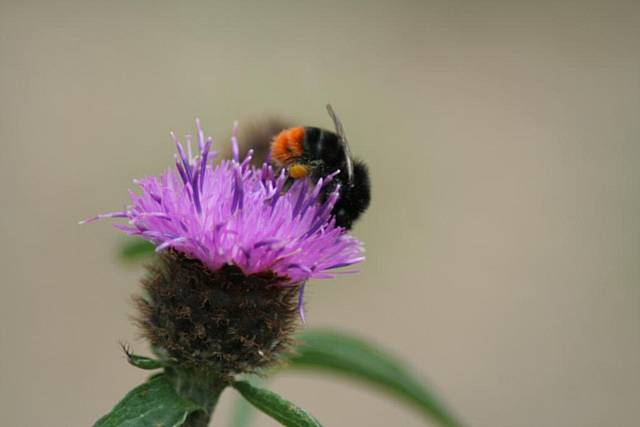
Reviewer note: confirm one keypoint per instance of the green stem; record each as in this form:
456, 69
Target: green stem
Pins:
201, 386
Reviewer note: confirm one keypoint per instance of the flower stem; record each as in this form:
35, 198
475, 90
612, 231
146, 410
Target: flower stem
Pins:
202, 386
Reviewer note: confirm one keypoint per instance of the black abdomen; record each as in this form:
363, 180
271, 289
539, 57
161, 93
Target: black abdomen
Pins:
354, 199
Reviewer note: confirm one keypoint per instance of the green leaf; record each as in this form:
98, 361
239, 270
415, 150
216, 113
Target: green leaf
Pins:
154, 403
242, 412
134, 248
275, 406
343, 354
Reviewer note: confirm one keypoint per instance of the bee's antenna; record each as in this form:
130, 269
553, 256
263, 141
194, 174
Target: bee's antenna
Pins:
340, 131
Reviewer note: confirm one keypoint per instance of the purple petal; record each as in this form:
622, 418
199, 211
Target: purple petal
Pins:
234, 142
117, 214
301, 302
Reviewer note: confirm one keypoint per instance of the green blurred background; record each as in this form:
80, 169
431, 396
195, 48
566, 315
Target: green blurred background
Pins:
503, 240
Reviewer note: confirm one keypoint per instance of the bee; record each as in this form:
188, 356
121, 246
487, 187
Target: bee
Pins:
312, 152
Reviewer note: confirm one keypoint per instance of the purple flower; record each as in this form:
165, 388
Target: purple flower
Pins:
233, 213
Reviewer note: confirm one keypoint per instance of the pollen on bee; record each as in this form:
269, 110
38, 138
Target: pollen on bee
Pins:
287, 145
297, 171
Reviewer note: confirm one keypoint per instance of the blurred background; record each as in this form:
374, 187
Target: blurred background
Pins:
503, 240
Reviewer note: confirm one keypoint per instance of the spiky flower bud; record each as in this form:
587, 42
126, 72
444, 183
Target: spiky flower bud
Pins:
235, 251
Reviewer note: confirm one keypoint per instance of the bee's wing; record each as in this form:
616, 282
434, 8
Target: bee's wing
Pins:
340, 131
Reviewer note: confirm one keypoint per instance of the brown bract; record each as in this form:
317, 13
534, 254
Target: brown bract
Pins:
220, 320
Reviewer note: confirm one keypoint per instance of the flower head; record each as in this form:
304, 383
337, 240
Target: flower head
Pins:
237, 247
233, 213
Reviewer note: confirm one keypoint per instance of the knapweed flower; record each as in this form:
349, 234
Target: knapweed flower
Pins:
236, 246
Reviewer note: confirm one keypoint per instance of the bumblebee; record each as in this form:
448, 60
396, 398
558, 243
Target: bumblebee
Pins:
311, 152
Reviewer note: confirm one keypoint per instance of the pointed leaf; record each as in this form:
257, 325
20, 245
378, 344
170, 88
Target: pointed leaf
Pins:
242, 412
275, 406
154, 403
347, 355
